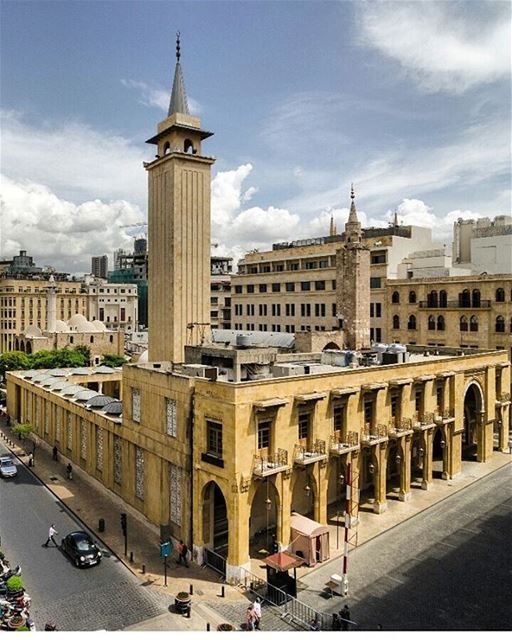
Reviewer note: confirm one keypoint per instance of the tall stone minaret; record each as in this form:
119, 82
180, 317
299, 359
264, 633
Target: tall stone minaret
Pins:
51, 306
178, 230
353, 283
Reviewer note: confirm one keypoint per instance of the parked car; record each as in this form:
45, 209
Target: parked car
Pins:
80, 547
7, 467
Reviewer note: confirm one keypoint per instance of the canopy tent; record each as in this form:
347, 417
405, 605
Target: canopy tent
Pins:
310, 539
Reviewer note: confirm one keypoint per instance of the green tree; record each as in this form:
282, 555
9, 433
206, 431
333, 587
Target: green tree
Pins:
113, 360
85, 351
14, 361
69, 358
23, 430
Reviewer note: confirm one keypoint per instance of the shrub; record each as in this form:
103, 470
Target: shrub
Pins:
14, 583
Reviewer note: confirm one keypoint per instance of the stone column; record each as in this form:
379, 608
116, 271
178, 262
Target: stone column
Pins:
405, 401
379, 458
238, 535
404, 449
480, 437
283, 518
427, 444
382, 410
504, 428
445, 429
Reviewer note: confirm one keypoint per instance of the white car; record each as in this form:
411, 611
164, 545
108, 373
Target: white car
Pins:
7, 467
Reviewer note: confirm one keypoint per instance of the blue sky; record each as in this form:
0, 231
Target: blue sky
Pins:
409, 100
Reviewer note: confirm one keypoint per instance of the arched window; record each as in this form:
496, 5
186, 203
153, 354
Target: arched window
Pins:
440, 323
473, 323
465, 298
500, 295
500, 324
188, 146
91, 339
111, 338
432, 299
167, 148
463, 323
396, 322
431, 323
395, 297
443, 299
412, 323
475, 298
412, 297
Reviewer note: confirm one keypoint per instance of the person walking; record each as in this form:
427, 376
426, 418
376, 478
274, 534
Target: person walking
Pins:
345, 617
55, 454
69, 471
336, 622
250, 618
51, 532
182, 553
257, 613
30, 459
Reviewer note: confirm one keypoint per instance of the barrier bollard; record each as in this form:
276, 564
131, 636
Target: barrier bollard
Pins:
222, 591
101, 525
131, 556
143, 569
189, 608
207, 626
191, 590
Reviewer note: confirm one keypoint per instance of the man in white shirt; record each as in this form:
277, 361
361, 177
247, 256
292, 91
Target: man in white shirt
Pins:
51, 532
257, 611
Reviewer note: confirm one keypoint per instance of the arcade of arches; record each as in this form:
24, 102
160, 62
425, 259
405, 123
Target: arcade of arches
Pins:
239, 521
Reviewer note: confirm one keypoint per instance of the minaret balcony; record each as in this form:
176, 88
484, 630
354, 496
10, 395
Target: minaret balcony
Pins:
400, 428
444, 417
340, 443
424, 421
304, 455
270, 464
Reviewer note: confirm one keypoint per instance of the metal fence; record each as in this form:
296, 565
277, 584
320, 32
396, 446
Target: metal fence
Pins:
214, 561
290, 608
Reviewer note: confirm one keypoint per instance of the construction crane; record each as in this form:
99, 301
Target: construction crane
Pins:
135, 225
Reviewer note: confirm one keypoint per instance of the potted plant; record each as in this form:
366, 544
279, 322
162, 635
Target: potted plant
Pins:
14, 584
16, 621
182, 601
225, 627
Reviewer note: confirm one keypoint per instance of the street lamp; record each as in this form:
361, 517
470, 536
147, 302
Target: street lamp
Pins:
307, 490
341, 479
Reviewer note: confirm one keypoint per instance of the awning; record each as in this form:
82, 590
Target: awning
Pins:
269, 403
374, 386
445, 374
425, 378
399, 382
345, 391
306, 526
309, 397
283, 561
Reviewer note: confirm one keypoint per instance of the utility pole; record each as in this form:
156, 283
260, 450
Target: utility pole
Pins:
124, 528
351, 520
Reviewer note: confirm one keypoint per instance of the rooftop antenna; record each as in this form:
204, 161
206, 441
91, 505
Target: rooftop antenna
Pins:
178, 54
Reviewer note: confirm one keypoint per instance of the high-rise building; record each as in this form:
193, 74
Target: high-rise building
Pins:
99, 266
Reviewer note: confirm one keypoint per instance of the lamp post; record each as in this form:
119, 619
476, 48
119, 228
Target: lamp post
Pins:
341, 478
268, 506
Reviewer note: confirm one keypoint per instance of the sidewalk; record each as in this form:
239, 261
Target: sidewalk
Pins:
90, 501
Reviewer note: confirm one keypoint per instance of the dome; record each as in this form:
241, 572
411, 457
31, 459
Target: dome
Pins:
113, 408
61, 327
143, 356
98, 325
32, 331
99, 401
79, 323
103, 369
85, 395
80, 371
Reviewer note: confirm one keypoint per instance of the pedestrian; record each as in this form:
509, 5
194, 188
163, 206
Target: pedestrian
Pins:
379, 627
182, 553
55, 454
257, 613
315, 625
250, 618
30, 459
345, 617
69, 471
51, 532
336, 622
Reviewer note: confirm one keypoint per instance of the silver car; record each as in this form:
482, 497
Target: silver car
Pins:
7, 467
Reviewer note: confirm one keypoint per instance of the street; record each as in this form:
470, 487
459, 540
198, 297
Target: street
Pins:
449, 568
106, 596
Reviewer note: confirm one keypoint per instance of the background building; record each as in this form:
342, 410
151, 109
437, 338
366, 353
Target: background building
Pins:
116, 305
220, 288
99, 266
484, 245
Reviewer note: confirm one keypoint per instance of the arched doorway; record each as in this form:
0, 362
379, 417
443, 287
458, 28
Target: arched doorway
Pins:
263, 519
367, 480
215, 519
336, 497
472, 411
417, 461
303, 494
28, 347
438, 447
331, 346
393, 471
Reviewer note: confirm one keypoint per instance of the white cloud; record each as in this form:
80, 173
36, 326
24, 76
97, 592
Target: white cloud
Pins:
74, 160
58, 232
443, 46
152, 96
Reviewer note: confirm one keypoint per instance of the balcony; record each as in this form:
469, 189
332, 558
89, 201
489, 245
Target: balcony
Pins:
373, 434
340, 444
271, 464
423, 421
399, 428
443, 417
456, 304
303, 456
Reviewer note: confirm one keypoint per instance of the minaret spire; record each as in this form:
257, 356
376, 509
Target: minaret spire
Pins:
353, 231
178, 102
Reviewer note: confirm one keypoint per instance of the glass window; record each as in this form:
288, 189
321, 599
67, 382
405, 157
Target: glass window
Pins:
250, 288
214, 438
263, 288
118, 459
276, 287
338, 416
175, 499
290, 286
304, 420
136, 405
170, 412
320, 285
375, 283
305, 286
139, 473
264, 434
99, 449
